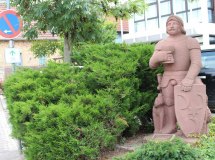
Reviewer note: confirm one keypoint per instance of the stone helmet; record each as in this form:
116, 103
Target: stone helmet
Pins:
179, 20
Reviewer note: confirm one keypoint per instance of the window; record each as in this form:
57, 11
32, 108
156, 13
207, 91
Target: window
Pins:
138, 17
211, 11
179, 5
212, 39
183, 16
194, 4
210, 4
181, 9
210, 16
152, 24
151, 1
165, 8
140, 26
42, 60
139, 22
152, 11
152, 16
196, 16
163, 21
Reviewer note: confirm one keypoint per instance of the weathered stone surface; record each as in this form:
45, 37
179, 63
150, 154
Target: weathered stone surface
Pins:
190, 108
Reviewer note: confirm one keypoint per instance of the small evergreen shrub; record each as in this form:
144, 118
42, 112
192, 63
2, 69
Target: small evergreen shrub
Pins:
206, 144
174, 149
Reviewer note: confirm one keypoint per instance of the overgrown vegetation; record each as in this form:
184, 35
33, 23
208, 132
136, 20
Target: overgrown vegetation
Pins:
68, 112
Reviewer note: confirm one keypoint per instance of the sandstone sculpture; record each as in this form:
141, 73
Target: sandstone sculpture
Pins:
182, 99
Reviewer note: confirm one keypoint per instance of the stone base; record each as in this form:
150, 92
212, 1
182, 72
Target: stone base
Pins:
163, 137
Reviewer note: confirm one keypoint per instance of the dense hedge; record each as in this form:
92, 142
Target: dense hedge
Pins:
68, 112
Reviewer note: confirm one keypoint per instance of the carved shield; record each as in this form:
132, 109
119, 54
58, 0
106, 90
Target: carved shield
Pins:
190, 108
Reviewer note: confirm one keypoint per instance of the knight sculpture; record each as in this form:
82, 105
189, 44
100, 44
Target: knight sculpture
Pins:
182, 99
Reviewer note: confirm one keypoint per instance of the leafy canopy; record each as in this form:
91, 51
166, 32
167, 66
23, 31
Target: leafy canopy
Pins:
73, 18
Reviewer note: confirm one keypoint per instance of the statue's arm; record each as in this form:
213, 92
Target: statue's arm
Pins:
195, 66
155, 60
158, 57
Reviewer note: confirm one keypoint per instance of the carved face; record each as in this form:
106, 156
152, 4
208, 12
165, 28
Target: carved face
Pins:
173, 28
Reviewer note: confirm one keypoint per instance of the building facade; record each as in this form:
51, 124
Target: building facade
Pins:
198, 17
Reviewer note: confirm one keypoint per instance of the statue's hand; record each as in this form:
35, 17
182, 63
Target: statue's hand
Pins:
159, 57
186, 84
167, 57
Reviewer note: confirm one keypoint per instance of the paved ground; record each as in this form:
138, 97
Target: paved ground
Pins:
9, 147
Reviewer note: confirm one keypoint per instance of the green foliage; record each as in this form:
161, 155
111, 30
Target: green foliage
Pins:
45, 48
76, 17
58, 135
120, 9
103, 32
206, 147
212, 127
206, 144
174, 149
26, 88
75, 21
118, 69
63, 111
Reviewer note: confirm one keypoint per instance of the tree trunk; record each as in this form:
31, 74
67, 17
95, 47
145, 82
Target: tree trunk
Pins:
67, 48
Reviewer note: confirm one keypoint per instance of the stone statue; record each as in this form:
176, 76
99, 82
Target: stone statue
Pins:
180, 56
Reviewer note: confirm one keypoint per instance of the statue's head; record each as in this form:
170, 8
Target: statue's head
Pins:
178, 20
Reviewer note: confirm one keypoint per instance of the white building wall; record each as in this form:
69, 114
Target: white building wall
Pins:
196, 23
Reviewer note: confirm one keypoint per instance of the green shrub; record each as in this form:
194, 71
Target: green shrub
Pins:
174, 149
62, 111
58, 133
211, 126
122, 71
206, 144
27, 88
206, 147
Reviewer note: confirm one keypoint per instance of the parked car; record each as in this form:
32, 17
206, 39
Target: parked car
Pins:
207, 75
